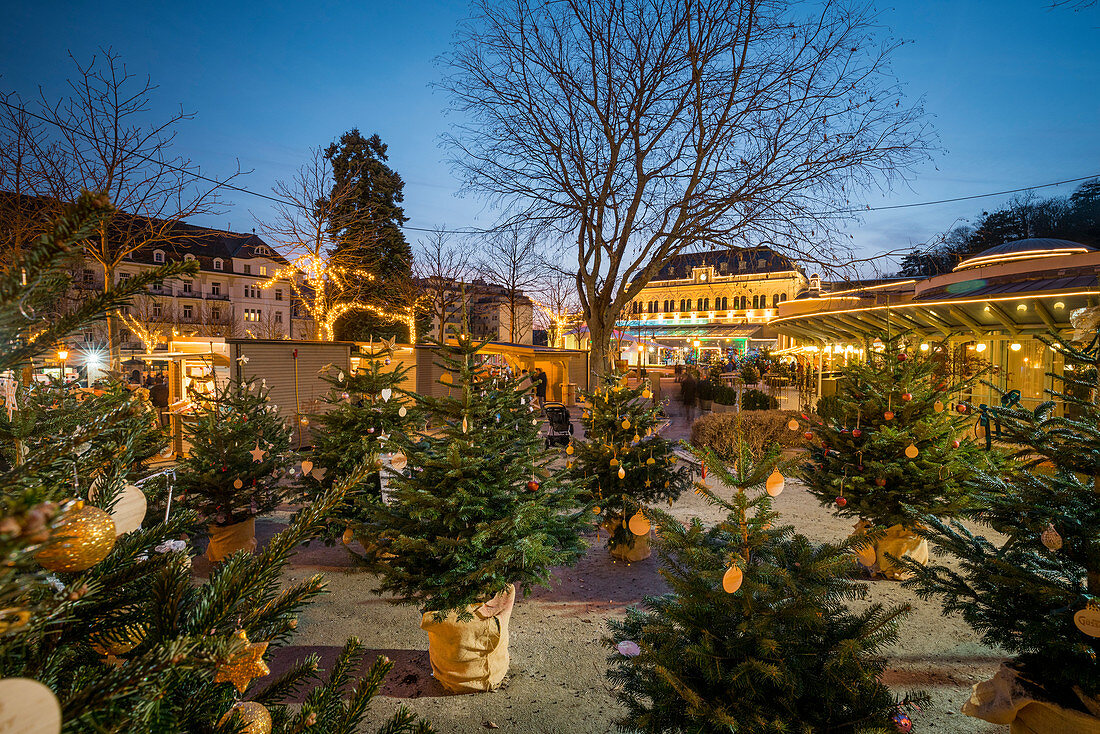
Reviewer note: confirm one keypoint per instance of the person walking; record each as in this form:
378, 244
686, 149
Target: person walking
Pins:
688, 390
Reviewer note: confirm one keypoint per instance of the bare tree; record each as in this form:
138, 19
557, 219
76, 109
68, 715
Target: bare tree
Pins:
442, 269
639, 128
268, 327
557, 305
151, 319
511, 259
104, 138
322, 276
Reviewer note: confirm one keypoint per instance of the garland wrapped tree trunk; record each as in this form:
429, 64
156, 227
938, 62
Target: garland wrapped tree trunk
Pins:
754, 634
102, 625
475, 511
1034, 587
624, 464
895, 451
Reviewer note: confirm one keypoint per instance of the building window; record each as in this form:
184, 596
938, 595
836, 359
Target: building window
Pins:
88, 276
756, 301
156, 310
278, 294
188, 257
188, 311
706, 304
263, 270
261, 250
699, 304
251, 291
247, 269
123, 276
216, 314
124, 335
158, 256
215, 289
782, 297
219, 264
252, 314
187, 286
683, 305
775, 300
278, 317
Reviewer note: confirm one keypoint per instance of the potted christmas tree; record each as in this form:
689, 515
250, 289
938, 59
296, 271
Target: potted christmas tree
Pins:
624, 463
1032, 587
754, 635
895, 453
366, 408
240, 448
475, 511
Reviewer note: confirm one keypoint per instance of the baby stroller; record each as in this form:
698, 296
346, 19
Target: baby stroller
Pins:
561, 429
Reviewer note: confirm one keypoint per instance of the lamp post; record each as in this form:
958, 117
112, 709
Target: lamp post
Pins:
62, 355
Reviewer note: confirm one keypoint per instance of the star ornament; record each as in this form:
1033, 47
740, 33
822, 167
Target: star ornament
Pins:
257, 453
245, 665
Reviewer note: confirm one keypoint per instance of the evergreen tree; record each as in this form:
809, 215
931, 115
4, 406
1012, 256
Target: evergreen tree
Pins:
132, 643
239, 449
754, 635
898, 451
366, 409
1027, 588
478, 507
624, 463
383, 249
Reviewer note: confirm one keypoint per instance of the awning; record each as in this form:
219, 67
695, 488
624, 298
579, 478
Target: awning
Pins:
704, 331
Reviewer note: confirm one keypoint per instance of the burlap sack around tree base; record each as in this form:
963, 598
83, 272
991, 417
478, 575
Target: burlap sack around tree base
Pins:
471, 656
228, 539
899, 542
637, 552
1004, 699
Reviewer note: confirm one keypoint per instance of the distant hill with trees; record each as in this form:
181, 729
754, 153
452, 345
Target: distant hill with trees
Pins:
1075, 217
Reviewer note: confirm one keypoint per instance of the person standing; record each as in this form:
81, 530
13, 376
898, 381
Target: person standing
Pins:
540, 388
158, 396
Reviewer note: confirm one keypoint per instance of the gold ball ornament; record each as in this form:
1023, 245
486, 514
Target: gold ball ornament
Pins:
237, 484
793, 425
399, 461
774, 484
13, 618
614, 462
650, 461
446, 378
569, 449
28, 707
626, 423
647, 394
637, 438
82, 538
132, 636
255, 718
245, 665
596, 509
731, 579
911, 451
639, 524
888, 415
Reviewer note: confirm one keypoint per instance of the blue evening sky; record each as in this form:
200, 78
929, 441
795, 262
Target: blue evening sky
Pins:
1013, 87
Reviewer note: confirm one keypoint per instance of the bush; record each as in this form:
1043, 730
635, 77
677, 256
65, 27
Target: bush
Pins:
761, 428
749, 375
705, 390
758, 400
725, 395
829, 409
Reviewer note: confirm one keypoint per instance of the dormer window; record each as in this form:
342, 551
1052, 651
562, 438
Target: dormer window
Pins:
219, 264
261, 250
158, 256
188, 257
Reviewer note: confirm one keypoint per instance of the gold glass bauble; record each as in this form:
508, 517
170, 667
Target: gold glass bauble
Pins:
82, 538
255, 718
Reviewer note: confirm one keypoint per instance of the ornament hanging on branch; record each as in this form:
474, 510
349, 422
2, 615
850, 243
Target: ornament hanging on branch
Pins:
911, 451
1050, 538
254, 718
82, 538
774, 485
245, 665
28, 707
732, 578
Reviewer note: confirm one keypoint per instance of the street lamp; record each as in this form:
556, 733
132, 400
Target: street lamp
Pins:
62, 355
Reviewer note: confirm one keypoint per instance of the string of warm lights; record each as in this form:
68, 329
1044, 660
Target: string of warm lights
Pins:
150, 337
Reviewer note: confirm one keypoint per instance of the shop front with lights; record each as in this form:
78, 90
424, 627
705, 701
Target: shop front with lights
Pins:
993, 310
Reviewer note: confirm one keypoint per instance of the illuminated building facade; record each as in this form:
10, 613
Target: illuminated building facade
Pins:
990, 310
720, 301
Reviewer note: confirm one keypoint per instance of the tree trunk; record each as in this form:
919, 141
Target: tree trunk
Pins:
599, 337
113, 347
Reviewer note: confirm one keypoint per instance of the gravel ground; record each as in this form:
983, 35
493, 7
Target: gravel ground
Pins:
556, 683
